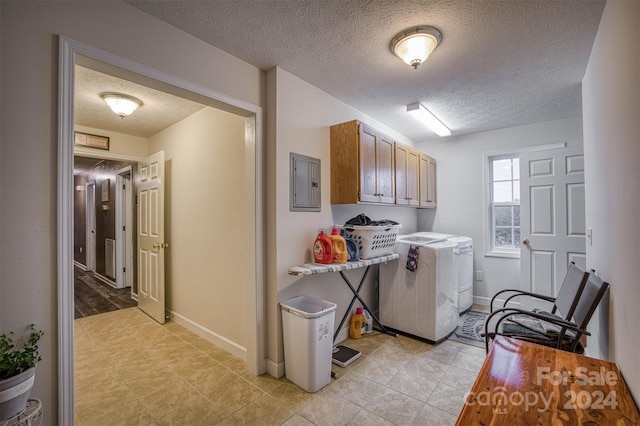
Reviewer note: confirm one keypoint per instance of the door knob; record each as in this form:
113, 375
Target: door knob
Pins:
525, 241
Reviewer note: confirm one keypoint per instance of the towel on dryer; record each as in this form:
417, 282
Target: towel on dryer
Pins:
412, 258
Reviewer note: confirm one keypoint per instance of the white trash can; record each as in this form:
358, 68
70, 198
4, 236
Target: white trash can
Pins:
307, 326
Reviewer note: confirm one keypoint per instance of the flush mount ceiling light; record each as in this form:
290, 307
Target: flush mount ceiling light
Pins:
416, 44
123, 105
428, 119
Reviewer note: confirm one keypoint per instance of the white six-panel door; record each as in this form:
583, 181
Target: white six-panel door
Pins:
151, 244
552, 214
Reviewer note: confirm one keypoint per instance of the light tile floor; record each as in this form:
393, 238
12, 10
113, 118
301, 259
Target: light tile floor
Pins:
130, 370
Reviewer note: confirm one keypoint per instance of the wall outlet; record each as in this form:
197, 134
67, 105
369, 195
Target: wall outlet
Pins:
479, 276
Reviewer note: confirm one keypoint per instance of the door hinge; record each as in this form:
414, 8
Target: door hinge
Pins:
124, 269
124, 186
124, 228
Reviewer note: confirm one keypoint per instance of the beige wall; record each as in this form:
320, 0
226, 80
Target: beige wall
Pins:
204, 217
611, 106
28, 135
299, 123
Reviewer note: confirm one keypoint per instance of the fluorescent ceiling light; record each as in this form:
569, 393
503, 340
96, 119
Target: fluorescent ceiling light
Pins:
123, 105
428, 119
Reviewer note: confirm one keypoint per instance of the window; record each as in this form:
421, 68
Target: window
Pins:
504, 204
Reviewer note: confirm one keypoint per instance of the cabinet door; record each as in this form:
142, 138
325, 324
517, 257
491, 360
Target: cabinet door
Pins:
401, 153
413, 177
427, 187
385, 165
368, 170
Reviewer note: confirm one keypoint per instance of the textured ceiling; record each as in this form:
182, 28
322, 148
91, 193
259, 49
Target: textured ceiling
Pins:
159, 110
500, 64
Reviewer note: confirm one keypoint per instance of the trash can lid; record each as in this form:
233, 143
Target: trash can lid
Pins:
307, 306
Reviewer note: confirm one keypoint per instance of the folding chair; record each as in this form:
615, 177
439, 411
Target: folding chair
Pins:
537, 324
547, 329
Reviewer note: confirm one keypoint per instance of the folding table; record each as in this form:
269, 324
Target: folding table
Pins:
316, 268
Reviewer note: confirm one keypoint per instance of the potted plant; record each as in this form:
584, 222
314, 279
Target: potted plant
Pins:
17, 371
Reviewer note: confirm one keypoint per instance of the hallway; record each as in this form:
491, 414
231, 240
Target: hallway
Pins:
131, 370
92, 296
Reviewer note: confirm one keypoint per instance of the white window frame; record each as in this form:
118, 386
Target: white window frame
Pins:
487, 157
497, 251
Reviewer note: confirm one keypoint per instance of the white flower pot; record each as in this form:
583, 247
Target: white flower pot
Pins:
14, 393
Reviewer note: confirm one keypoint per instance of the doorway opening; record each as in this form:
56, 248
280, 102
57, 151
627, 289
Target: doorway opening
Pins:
103, 229
125, 224
72, 52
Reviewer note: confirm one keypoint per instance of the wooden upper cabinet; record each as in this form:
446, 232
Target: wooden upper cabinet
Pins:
407, 175
362, 165
368, 174
427, 173
385, 176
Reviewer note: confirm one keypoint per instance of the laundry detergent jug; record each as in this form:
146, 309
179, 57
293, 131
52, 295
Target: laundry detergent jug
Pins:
339, 247
322, 249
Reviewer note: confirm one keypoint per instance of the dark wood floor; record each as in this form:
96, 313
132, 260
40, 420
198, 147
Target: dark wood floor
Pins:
92, 296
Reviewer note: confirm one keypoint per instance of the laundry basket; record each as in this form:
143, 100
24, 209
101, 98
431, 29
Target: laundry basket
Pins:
373, 241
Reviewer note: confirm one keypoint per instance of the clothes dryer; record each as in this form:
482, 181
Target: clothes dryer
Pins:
423, 302
463, 270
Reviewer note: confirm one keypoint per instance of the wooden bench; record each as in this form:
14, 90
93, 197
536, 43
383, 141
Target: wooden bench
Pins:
528, 384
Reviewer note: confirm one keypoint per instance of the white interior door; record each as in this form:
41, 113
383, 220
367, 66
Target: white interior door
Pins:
552, 214
91, 226
151, 244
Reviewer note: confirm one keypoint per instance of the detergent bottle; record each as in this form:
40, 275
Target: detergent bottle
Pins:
339, 246
357, 323
368, 322
322, 252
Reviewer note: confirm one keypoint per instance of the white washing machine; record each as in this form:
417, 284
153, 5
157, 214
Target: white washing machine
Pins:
422, 303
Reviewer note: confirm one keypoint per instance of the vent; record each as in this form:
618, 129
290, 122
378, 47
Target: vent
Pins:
110, 258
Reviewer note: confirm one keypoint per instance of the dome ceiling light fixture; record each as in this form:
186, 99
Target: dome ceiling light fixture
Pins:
414, 45
122, 105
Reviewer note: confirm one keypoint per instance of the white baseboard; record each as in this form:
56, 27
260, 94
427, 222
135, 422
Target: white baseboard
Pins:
220, 341
275, 369
79, 265
105, 280
486, 301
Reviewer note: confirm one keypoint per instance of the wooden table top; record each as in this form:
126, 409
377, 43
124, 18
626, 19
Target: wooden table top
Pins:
522, 383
